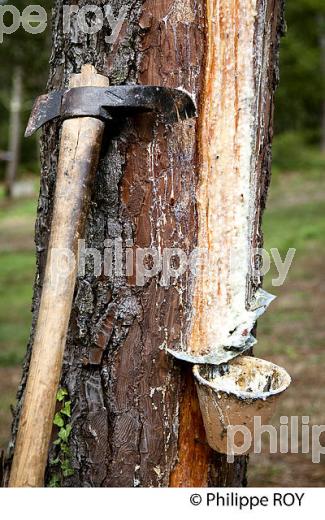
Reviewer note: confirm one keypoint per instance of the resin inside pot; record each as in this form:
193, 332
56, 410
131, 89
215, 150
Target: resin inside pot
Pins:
245, 377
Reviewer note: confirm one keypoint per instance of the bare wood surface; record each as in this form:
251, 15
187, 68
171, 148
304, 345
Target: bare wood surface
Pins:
234, 140
79, 153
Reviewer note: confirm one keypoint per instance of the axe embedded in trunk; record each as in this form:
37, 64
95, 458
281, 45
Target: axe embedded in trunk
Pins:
105, 103
85, 106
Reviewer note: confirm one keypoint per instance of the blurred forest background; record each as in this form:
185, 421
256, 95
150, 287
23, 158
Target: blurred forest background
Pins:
292, 333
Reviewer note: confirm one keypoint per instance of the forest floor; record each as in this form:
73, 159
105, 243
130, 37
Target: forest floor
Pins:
17, 267
291, 334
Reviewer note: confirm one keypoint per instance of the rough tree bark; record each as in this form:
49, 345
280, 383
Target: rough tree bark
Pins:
136, 419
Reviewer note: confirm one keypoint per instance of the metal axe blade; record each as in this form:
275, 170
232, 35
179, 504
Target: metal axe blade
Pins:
105, 103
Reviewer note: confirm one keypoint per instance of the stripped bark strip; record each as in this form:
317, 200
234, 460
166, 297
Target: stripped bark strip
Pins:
234, 140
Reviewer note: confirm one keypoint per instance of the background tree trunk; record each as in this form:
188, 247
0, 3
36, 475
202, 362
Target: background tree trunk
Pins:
136, 419
322, 58
14, 131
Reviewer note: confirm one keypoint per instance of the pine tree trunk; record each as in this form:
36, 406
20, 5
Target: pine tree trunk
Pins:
322, 61
136, 419
14, 132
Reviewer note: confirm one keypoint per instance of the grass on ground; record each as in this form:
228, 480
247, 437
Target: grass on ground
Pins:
17, 267
292, 332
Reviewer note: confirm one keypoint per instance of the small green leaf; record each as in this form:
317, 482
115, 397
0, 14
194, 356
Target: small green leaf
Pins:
68, 472
57, 442
63, 435
66, 410
65, 449
55, 481
65, 432
58, 420
54, 462
62, 392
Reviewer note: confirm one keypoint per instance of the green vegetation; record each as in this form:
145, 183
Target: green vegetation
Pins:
16, 276
62, 462
17, 268
291, 153
295, 219
292, 331
301, 92
31, 53
294, 227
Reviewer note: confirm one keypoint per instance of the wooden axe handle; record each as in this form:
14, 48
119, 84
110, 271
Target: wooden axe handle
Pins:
78, 160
